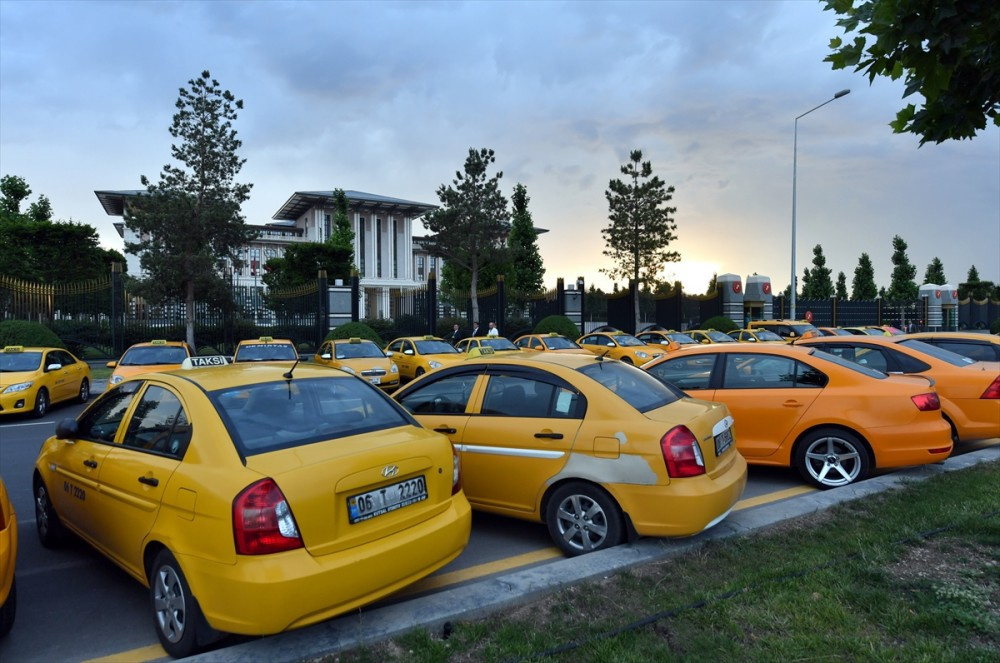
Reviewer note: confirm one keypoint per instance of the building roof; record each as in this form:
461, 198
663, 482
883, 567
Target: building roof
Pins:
302, 201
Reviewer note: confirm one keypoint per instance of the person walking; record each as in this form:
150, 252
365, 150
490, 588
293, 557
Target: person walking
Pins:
493, 331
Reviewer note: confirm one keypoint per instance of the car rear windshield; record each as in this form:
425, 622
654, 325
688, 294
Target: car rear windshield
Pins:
952, 358
435, 348
266, 352
290, 413
635, 386
846, 363
153, 355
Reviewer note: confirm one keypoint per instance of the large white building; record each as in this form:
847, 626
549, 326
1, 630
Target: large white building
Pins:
386, 253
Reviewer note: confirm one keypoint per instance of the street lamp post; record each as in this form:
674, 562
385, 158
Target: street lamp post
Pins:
795, 156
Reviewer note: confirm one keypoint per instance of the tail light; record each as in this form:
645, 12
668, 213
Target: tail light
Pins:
456, 474
263, 522
681, 453
927, 402
992, 391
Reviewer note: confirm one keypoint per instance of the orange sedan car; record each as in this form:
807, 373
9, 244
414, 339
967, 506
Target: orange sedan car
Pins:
832, 420
969, 390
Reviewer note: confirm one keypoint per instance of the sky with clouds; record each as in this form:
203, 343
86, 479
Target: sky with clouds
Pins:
388, 98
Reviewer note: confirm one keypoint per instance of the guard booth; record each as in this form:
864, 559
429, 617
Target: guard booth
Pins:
931, 293
340, 304
758, 303
572, 303
730, 288
949, 307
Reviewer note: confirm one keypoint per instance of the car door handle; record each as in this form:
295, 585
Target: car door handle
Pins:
446, 430
550, 436
792, 404
149, 481
92, 464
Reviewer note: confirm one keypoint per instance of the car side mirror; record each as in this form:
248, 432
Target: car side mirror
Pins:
388, 353
67, 429
53, 367
112, 364
325, 356
407, 352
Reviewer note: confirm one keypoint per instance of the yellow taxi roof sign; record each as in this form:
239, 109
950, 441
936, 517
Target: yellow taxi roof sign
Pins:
354, 339
13, 348
481, 351
266, 339
201, 361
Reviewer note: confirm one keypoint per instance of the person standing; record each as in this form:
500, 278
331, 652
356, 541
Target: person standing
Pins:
456, 334
493, 331
475, 329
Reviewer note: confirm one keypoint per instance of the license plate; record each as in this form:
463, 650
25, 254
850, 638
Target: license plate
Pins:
383, 500
723, 441
375, 380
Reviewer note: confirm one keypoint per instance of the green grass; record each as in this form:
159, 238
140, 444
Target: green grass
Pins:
912, 574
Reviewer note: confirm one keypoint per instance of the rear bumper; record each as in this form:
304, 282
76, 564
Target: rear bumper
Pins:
901, 446
685, 506
273, 593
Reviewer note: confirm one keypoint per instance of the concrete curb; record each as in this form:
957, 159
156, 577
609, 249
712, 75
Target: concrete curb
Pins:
493, 595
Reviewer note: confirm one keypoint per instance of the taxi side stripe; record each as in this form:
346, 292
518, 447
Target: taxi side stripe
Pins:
507, 451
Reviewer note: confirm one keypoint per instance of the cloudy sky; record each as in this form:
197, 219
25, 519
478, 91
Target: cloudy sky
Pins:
388, 98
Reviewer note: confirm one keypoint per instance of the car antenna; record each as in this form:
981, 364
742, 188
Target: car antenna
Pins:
288, 375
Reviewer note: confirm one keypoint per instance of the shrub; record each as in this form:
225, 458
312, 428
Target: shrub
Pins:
559, 324
995, 326
23, 332
444, 325
719, 323
355, 330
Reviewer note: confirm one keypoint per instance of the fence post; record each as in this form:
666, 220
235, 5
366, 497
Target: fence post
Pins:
117, 311
432, 303
501, 302
583, 304
323, 308
560, 296
355, 296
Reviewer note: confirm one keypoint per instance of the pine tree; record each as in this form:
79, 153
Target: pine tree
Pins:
841, 286
902, 288
526, 269
935, 273
863, 284
820, 285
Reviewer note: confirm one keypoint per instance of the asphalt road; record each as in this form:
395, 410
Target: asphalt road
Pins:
74, 605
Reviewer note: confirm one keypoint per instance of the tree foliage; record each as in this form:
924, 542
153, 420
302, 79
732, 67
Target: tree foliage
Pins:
527, 273
189, 221
902, 287
935, 272
641, 225
820, 284
841, 289
976, 288
301, 264
36, 248
946, 50
470, 228
863, 284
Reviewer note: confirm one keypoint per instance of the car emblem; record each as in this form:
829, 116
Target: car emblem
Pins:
390, 471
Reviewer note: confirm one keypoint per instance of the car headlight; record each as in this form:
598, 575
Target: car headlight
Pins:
115, 379
641, 355
20, 386
394, 369
348, 369
434, 364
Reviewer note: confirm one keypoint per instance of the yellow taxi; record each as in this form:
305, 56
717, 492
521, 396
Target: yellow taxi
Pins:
8, 558
833, 331
977, 347
250, 501
551, 342
596, 449
265, 348
868, 330
969, 390
619, 345
32, 379
755, 336
705, 336
156, 355
498, 343
416, 355
360, 357
666, 338
786, 329
832, 420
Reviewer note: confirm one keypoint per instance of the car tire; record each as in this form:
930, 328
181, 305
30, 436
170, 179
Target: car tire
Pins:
84, 395
9, 609
831, 457
628, 360
41, 403
177, 617
417, 373
582, 518
51, 531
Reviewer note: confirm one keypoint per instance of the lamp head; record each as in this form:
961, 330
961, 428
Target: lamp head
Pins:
842, 93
